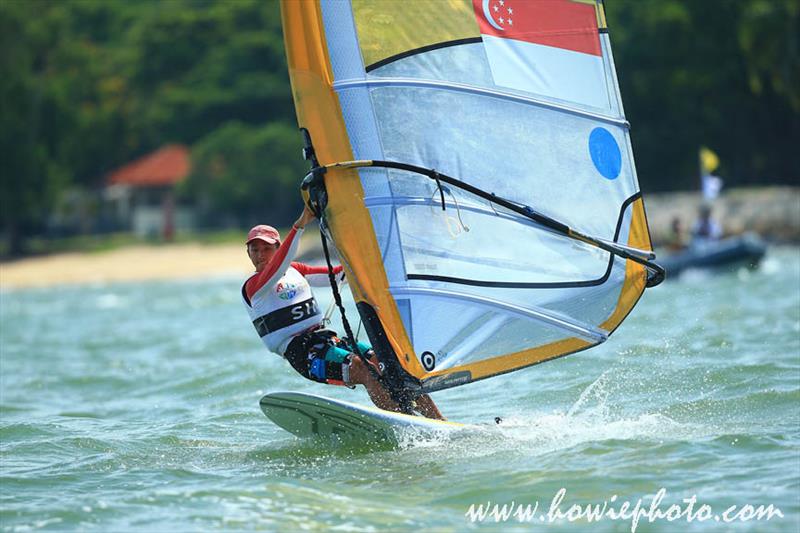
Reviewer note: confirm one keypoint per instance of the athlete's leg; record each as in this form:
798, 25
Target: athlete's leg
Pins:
360, 374
426, 406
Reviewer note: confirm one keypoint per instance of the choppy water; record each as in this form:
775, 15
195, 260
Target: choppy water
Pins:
135, 407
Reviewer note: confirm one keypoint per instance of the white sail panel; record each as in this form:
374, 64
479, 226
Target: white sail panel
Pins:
509, 258
548, 71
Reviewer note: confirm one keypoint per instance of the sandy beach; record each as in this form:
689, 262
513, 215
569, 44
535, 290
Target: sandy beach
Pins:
137, 263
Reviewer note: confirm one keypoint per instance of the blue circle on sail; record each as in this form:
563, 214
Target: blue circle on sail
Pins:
605, 153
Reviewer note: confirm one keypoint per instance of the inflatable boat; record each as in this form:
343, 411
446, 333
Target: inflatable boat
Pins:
731, 253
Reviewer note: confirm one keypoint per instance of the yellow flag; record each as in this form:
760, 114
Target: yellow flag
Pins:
709, 161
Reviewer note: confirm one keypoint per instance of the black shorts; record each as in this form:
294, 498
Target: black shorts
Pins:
320, 356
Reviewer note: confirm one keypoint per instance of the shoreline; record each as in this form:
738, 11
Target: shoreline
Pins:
134, 263
138, 263
772, 212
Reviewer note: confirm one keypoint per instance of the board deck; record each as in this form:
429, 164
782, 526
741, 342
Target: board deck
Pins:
308, 415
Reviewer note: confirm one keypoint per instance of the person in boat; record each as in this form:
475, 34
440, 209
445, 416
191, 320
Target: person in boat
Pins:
281, 305
706, 229
676, 239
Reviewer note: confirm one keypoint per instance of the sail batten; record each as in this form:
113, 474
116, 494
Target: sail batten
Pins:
482, 194
537, 218
581, 330
471, 89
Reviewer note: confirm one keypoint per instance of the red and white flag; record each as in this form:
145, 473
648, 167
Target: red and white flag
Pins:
545, 47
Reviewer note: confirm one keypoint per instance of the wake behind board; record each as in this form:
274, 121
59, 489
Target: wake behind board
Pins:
308, 415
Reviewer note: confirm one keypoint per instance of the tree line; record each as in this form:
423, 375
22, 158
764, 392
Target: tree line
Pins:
89, 85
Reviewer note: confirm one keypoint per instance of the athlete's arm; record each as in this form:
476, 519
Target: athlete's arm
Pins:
317, 276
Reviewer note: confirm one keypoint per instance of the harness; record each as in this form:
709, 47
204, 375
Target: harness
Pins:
285, 317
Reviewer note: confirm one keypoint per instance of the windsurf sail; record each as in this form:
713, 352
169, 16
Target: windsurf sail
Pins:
475, 168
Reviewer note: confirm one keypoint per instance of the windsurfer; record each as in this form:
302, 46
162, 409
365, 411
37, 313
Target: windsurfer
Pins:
280, 303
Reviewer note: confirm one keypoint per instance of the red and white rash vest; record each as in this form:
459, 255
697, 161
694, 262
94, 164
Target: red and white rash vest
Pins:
279, 298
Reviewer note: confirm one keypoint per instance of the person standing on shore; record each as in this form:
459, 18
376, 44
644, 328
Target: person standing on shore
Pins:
282, 307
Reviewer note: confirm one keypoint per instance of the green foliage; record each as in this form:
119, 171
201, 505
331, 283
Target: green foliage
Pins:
34, 117
769, 37
87, 86
248, 173
718, 73
196, 66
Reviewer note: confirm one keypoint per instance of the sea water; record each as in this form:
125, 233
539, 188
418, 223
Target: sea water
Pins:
134, 407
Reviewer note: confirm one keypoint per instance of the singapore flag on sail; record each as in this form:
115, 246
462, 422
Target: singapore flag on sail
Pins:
546, 47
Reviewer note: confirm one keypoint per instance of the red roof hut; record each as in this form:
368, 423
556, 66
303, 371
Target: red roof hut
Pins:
144, 192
